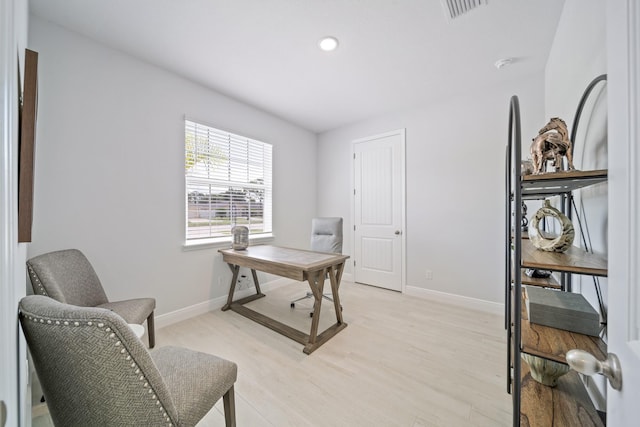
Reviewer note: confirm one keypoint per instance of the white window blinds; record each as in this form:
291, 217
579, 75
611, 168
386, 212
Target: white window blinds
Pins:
228, 183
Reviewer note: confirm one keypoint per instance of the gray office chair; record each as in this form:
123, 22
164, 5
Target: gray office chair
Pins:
67, 276
326, 236
94, 370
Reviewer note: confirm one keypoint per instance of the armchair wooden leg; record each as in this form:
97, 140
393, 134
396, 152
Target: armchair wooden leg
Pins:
229, 408
151, 331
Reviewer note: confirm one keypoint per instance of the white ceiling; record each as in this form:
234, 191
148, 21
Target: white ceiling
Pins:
393, 54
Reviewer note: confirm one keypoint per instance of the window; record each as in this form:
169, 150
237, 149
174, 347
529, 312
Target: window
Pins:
228, 183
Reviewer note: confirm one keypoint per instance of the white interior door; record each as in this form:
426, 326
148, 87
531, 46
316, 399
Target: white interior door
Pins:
379, 210
623, 46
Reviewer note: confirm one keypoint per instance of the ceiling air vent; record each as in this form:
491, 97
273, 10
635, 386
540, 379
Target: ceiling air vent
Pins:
455, 8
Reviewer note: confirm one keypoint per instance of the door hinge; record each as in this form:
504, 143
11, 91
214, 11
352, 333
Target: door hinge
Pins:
354, 262
354, 156
354, 228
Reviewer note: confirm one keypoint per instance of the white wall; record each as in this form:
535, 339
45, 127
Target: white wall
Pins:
455, 166
110, 169
578, 56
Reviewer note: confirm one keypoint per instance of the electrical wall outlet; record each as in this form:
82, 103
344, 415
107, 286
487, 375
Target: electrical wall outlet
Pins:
243, 282
429, 275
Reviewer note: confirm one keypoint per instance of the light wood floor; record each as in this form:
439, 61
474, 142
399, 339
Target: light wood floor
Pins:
402, 361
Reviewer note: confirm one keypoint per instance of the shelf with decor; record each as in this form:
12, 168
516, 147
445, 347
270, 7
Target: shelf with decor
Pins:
552, 184
534, 348
574, 260
553, 343
566, 404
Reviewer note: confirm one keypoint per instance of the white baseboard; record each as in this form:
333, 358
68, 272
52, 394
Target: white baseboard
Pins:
213, 304
459, 300
217, 303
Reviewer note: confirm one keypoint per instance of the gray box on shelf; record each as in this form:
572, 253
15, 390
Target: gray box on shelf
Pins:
562, 310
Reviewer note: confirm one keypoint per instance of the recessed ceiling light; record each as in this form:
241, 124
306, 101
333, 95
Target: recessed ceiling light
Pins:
328, 44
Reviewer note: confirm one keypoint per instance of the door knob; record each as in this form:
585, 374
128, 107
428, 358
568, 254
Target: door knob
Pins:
586, 363
398, 232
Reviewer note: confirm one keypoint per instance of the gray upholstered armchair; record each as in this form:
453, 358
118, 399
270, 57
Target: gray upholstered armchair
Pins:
67, 276
95, 371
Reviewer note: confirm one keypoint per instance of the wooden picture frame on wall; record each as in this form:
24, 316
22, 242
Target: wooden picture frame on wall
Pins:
27, 125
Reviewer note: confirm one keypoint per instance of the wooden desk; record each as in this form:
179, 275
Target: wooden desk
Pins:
297, 264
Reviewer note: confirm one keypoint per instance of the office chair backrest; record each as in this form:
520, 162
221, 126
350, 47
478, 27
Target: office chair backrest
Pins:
326, 234
66, 276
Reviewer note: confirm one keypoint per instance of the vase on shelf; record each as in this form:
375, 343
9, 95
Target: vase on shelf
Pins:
545, 371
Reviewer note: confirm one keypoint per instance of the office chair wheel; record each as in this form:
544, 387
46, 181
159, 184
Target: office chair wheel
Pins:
293, 305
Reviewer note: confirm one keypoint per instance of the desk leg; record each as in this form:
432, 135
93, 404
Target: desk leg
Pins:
255, 281
234, 269
317, 285
335, 275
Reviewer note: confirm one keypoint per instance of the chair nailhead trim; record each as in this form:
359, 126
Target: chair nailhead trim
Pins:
36, 280
118, 343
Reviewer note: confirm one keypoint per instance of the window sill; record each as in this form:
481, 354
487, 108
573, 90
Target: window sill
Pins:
223, 242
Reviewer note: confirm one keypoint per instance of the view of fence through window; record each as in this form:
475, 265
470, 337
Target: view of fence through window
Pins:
228, 182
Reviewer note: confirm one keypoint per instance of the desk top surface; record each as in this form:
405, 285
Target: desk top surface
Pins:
296, 258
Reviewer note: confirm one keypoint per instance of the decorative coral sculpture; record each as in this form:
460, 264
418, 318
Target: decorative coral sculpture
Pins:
552, 143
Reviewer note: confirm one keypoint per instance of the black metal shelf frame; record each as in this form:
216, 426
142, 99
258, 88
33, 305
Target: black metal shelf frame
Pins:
518, 190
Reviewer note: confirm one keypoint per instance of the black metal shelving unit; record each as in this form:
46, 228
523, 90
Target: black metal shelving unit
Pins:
570, 392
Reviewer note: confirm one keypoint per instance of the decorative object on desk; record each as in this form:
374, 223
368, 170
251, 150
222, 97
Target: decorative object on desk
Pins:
552, 143
541, 241
562, 310
240, 237
545, 371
